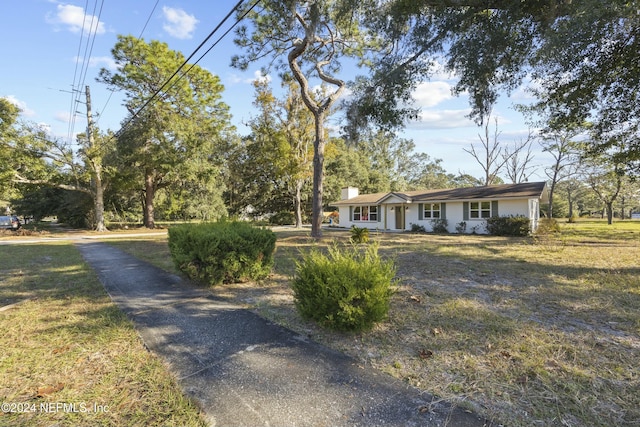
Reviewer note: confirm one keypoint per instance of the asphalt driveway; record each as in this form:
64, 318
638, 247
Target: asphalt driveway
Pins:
246, 371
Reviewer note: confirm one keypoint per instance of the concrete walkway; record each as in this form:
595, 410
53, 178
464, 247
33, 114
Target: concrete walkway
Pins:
244, 370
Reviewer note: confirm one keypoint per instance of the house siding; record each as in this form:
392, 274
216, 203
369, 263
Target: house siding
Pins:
453, 213
507, 200
345, 215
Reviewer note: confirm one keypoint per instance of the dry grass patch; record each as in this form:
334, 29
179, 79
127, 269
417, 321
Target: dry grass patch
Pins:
65, 343
527, 332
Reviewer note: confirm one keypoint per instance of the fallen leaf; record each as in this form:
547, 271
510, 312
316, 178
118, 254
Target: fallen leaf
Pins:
425, 354
506, 354
43, 391
436, 331
414, 298
61, 349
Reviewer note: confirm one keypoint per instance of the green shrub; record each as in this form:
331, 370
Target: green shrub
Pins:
439, 225
461, 227
508, 225
283, 218
415, 228
348, 288
222, 252
359, 234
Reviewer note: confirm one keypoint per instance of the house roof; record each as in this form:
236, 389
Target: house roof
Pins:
526, 190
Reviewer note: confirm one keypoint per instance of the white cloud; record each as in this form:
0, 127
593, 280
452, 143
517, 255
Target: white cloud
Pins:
25, 111
179, 23
525, 92
62, 116
259, 77
430, 94
44, 127
75, 20
103, 61
439, 71
442, 119
100, 61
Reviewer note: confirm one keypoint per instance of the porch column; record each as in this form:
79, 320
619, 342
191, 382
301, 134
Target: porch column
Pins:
386, 212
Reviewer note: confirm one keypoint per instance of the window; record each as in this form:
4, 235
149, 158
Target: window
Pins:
479, 210
365, 213
431, 210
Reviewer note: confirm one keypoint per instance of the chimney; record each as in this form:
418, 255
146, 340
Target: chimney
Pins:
349, 193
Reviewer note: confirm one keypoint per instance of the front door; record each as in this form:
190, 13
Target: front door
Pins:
399, 217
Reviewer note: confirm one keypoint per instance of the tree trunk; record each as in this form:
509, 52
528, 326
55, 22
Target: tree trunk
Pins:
318, 177
570, 201
96, 172
609, 212
318, 110
149, 193
99, 199
298, 203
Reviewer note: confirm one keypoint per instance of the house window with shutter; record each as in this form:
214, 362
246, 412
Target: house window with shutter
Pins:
431, 211
365, 213
479, 210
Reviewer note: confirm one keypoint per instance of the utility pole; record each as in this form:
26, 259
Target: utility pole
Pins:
94, 157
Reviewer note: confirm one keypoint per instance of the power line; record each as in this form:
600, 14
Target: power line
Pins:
158, 91
219, 39
72, 107
212, 46
99, 113
85, 60
149, 18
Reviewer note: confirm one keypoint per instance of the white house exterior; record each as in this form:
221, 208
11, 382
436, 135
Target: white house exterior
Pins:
469, 206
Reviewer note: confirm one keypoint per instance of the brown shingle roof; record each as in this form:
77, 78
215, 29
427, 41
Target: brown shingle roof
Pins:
363, 199
526, 190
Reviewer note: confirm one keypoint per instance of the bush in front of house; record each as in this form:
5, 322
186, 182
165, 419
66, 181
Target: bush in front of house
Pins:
416, 228
508, 225
222, 252
348, 288
359, 234
440, 225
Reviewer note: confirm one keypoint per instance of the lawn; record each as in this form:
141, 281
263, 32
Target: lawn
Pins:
69, 356
538, 331
525, 331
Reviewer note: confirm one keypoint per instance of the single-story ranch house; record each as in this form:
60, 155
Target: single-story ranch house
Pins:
464, 209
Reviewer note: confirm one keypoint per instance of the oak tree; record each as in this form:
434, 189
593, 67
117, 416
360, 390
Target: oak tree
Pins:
175, 129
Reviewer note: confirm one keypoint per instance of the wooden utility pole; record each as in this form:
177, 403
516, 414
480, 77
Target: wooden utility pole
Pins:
95, 160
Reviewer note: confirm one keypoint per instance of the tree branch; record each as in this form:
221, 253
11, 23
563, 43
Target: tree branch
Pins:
19, 179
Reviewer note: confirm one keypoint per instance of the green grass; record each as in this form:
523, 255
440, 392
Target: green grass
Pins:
65, 342
525, 331
153, 249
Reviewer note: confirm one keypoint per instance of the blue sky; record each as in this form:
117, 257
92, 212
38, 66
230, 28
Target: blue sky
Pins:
44, 47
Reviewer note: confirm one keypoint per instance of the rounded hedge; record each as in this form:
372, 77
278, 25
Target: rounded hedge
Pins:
222, 252
346, 288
